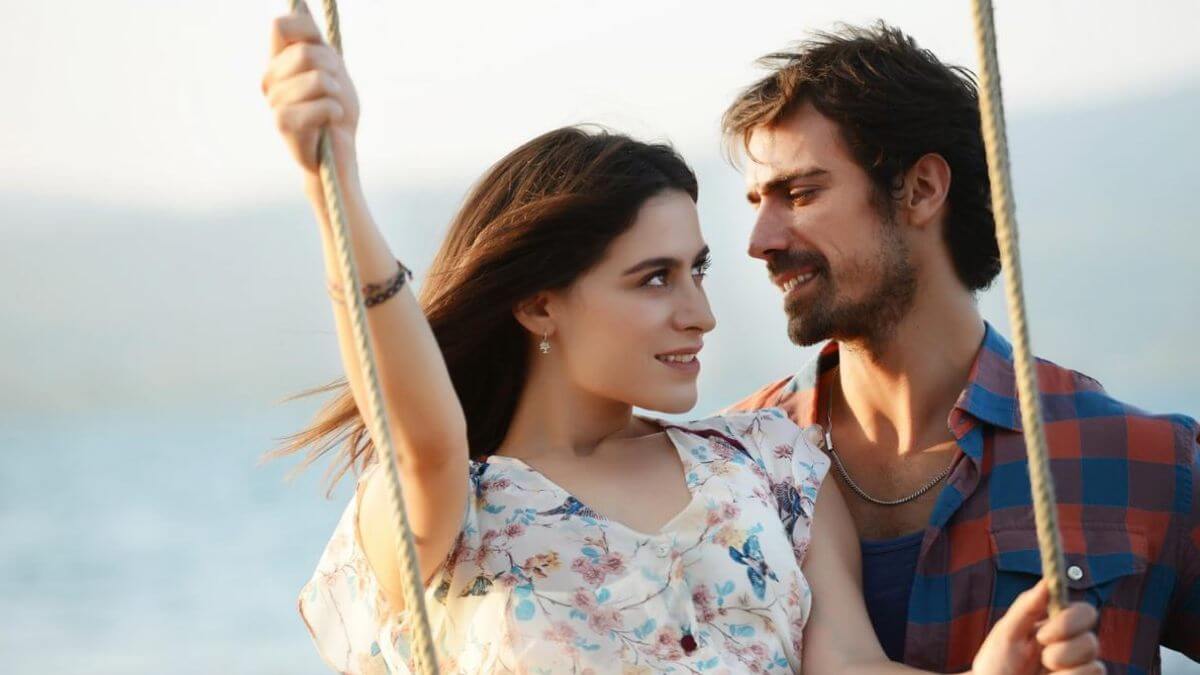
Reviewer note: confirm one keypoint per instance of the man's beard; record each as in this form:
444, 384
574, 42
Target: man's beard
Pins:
821, 315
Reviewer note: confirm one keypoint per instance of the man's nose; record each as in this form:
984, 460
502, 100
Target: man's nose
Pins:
771, 233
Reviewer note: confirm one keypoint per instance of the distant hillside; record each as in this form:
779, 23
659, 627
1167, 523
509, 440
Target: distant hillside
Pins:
113, 307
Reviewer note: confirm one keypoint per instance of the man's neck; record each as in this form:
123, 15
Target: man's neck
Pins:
901, 391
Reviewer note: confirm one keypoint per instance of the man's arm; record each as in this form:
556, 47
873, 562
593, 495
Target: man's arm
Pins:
1181, 625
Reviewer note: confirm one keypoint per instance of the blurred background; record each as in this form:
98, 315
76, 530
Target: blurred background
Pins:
164, 282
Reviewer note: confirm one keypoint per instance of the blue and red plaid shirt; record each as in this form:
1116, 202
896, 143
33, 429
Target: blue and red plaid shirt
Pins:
1128, 489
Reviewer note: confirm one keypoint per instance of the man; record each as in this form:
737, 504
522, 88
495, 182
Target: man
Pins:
864, 161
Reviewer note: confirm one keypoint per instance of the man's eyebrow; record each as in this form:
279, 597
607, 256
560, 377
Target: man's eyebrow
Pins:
780, 182
662, 262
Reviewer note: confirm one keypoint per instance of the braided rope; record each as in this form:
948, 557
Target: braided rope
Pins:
412, 587
991, 108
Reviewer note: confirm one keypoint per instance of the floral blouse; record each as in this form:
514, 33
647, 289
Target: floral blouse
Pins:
537, 582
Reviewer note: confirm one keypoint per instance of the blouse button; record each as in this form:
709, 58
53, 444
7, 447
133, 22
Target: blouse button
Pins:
1074, 573
664, 549
688, 643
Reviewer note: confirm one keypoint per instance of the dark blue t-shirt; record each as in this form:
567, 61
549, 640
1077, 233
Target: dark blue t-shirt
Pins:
888, 569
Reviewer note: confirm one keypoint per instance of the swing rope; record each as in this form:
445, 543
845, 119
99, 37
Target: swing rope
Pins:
412, 586
991, 109
992, 120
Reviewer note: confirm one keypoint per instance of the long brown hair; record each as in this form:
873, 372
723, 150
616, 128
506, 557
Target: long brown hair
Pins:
537, 220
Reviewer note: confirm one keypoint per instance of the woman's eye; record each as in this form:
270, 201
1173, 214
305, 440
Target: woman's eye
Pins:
660, 276
701, 270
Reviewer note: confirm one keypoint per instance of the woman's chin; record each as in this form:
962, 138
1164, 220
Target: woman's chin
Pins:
671, 405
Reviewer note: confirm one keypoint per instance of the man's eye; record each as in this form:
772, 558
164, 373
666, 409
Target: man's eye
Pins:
803, 196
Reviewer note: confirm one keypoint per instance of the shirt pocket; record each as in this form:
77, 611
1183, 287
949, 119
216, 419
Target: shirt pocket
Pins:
1100, 559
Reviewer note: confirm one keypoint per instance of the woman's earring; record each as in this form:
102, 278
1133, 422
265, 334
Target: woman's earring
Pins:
545, 344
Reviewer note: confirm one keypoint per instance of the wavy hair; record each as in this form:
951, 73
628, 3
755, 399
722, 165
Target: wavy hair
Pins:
893, 103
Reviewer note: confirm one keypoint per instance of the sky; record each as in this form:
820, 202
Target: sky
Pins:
152, 103
140, 147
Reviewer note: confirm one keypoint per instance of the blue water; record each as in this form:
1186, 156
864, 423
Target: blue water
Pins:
148, 543
151, 542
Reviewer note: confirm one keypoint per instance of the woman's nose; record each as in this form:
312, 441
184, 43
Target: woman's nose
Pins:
695, 312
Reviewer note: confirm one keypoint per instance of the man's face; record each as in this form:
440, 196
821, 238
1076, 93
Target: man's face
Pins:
834, 249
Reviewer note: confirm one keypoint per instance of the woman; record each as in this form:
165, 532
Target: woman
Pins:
555, 530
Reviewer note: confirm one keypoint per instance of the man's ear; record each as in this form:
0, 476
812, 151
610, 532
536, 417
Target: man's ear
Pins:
534, 314
927, 185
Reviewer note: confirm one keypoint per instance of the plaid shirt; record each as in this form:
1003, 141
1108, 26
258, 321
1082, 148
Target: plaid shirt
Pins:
1128, 493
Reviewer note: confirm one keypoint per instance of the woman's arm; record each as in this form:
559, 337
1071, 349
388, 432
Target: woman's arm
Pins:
307, 85
839, 638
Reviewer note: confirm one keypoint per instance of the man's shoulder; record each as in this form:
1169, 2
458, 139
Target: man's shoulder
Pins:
1075, 401
769, 395
1056, 378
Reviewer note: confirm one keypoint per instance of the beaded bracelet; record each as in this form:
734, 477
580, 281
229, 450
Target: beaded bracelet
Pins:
375, 293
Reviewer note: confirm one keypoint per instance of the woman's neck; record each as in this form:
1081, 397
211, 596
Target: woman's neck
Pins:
554, 417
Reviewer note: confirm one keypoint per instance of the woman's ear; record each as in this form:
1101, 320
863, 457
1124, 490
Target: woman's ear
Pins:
535, 315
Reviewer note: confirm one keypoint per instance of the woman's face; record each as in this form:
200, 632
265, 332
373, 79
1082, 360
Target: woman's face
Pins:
630, 329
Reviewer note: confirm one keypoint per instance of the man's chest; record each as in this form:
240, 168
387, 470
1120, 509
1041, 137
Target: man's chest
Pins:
873, 521
911, 487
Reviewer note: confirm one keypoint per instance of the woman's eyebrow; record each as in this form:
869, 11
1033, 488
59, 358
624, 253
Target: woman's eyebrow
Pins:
661, 262
652, 262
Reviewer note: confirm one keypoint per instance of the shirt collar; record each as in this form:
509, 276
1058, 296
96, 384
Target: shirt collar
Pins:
991, 391
989, 394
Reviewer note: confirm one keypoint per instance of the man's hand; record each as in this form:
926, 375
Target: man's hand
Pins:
1025, 642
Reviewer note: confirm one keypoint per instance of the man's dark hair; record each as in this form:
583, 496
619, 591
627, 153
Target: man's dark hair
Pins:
893, 102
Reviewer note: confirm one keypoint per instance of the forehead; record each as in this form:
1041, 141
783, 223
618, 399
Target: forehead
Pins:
666, 225
803, 140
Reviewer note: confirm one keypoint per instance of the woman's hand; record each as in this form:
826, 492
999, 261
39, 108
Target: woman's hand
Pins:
307, 86
1024, 641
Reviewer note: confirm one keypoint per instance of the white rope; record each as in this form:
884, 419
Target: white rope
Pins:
991, 108
412, 586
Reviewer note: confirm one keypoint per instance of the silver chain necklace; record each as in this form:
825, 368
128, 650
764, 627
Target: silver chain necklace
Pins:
841, 468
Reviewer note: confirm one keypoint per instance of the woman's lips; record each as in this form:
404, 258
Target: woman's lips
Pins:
689, 363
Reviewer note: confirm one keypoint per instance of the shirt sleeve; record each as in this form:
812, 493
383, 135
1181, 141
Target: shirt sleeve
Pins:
351, 623
795, 467
1182, 623
764, 397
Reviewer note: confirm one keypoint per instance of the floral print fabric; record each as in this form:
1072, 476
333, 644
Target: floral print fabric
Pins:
537, 582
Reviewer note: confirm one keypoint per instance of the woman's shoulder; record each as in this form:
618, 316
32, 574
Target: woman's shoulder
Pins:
341, 604
770, 425
770, 437
735, 418
346, 608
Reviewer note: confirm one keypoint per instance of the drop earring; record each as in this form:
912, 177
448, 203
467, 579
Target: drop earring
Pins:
544, 345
